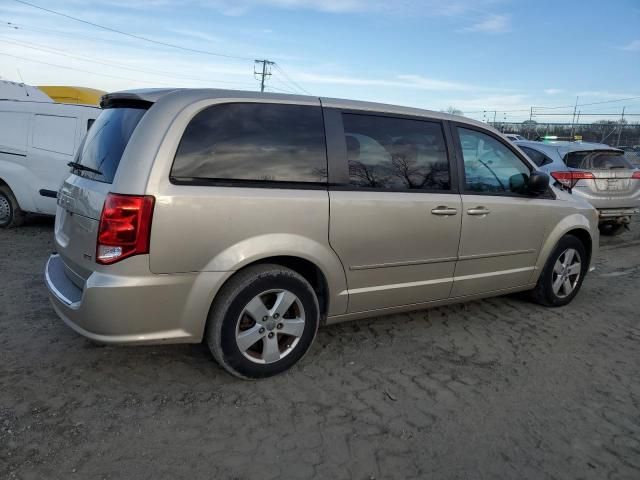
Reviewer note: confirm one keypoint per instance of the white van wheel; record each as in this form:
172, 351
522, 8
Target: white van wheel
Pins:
10, 213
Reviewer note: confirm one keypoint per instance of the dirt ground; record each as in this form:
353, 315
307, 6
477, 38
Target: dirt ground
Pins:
492, 389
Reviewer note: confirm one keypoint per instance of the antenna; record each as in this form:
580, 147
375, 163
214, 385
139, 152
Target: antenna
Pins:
26, 91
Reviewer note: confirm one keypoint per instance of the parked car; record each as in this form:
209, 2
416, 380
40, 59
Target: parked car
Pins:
37, 141
514, 137
248, 219
596, 172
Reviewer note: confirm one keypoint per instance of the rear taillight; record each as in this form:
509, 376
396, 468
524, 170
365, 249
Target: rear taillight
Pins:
636, 175
125, 227
568, 179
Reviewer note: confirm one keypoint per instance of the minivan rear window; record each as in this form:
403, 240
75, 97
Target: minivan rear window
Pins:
102, 148
597, 160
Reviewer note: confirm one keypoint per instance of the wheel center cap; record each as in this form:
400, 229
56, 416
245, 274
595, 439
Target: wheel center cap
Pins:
270, 324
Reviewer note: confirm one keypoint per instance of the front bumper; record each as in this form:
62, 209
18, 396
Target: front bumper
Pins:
133, 309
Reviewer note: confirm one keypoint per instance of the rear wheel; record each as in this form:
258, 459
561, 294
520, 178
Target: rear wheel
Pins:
263, 321
10, 213
563, 273
611, 229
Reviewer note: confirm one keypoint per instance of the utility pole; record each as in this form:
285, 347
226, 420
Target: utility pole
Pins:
620, 130
263, 72
531, 114
573, 119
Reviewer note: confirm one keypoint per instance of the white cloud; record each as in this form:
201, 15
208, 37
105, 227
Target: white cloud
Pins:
553, 91
417, 82
633, 46
492, 23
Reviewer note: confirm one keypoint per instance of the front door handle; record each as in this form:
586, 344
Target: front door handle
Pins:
445, 211
479, 211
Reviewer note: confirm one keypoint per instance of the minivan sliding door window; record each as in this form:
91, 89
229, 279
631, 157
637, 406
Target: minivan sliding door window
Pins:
389, 153
253, 143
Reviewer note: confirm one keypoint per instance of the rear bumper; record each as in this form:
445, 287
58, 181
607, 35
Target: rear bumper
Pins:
133, 309
605, 213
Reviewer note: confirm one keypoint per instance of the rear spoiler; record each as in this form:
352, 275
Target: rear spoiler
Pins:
123, 100
594, 150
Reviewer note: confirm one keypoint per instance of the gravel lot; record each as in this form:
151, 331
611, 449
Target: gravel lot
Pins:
492, 389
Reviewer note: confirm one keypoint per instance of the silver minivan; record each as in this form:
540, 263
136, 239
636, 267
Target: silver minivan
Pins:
247, 220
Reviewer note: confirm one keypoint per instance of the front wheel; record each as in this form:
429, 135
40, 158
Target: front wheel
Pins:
10, 213
263, 321
563, 274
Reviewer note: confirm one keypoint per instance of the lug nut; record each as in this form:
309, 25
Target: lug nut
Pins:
271, 334
275, 315
261, 330
264, 319
280, 326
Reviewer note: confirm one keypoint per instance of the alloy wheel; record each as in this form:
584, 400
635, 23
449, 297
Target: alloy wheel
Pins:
270, 326
566, 273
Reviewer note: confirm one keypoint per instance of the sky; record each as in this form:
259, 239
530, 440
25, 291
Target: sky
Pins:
501, 56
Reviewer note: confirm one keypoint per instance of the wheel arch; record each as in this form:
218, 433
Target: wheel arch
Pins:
577, 225
15, 177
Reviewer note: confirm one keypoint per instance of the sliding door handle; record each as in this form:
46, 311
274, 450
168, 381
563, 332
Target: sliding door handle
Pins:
444, 211
478, 211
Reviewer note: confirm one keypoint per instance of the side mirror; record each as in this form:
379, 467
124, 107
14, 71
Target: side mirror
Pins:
538, 183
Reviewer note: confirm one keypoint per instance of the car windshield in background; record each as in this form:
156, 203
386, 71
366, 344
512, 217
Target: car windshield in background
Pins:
597, 160
105, 142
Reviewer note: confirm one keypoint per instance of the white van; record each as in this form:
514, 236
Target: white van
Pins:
37, 141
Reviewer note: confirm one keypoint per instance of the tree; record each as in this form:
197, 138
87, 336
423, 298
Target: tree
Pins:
453, 111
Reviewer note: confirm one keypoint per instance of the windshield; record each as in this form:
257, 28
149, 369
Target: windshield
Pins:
597, 160
102, 148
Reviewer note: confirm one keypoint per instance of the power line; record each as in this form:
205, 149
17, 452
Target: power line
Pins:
592, 103
69, 68
291, 80
44, 48
139, 37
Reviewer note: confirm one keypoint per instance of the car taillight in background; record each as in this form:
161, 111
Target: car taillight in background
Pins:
568, 179
636, 175
125, 227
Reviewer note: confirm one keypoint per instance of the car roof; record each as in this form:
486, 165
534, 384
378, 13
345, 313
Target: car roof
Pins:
564, 147
190, 95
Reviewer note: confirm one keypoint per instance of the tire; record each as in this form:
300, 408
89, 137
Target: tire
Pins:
10, 213
611, 229
248, 346
544, 293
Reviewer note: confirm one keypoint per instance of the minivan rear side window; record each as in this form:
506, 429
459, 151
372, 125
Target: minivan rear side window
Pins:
253, 142
102, 148
395, 153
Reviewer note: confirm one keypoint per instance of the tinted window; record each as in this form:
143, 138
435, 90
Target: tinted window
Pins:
254, 141
599, 160
489, 166
395, 153
104, 144
537, 157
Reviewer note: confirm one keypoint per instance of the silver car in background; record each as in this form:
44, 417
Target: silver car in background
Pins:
598, 173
